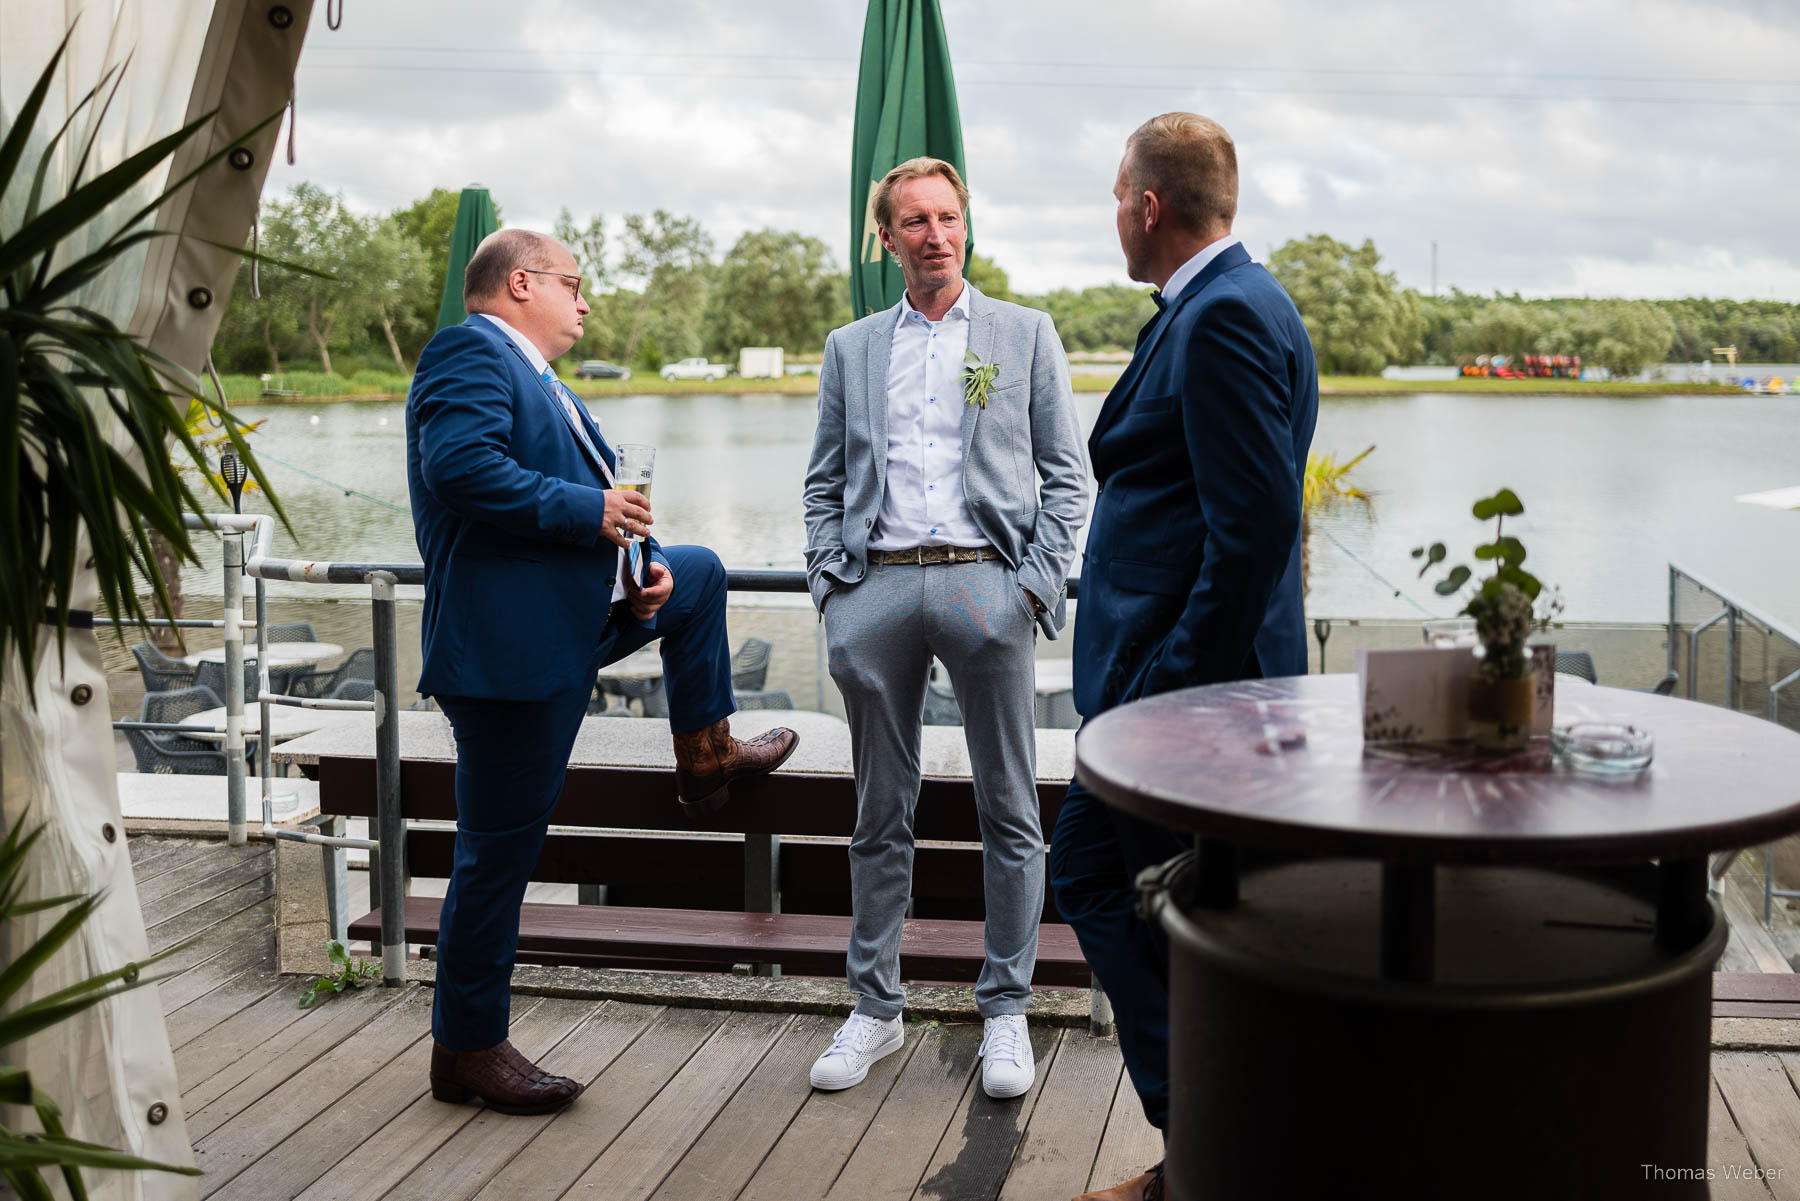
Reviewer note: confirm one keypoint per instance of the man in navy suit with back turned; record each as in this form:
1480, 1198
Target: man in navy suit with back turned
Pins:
532, 583
1192, 570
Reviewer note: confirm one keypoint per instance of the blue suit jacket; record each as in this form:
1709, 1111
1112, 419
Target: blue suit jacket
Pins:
1192, 571
507, 508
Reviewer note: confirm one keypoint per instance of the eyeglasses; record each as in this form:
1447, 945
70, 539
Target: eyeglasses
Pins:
574, 280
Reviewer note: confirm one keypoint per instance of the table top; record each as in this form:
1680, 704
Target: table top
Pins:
643, 664
1281, 764
281, 654
644, 742
285, 721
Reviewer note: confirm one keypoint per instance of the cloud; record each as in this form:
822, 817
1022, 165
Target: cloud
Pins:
1615, 148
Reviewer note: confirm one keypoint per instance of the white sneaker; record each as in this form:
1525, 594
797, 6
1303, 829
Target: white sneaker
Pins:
859, 1042
1007, 1066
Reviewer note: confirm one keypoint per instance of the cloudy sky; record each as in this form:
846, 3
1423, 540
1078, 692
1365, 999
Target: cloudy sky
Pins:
1601, 147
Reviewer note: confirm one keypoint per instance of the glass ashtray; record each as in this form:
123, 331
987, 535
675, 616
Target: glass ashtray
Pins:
1602, 747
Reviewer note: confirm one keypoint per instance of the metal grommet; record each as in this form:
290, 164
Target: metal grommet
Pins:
109, 832
200, 298
281, 16
241, 158
159, 1113
131, 973
81, 694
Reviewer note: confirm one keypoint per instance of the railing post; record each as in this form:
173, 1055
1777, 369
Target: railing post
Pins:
1731, 657
1674, 592
762, 884
391, 824
236, 833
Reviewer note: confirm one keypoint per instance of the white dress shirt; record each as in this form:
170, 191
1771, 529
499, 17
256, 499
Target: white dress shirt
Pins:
540, 364
1186, 273
923, 504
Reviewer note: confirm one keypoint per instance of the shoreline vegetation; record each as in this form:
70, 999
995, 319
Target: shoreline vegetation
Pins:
312, 387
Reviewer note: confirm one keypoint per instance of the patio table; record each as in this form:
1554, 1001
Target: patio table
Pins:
281, 654
1473, 955
285, 721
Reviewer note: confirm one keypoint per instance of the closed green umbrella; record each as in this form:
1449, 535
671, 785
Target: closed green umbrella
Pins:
475, 220
905, 107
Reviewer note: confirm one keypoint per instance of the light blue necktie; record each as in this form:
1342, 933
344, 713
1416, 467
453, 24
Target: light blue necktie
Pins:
634, 554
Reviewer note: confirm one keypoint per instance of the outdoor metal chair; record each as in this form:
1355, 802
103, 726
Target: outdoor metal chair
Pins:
773, 698
359, 664
162, 753
647, 692
354, 689
161, 673
292, 631
750, 666
211, 676
1577, 663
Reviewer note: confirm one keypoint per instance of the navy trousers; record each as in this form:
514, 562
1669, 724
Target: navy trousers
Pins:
510, 760
1096, 853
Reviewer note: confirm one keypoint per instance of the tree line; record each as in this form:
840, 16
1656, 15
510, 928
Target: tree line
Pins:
660, 291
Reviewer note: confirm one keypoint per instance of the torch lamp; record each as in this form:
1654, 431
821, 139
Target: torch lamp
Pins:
232, 468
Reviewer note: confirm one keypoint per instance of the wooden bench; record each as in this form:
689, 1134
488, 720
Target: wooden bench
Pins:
765, 882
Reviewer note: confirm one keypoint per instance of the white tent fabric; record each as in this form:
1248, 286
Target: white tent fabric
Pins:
111, 1070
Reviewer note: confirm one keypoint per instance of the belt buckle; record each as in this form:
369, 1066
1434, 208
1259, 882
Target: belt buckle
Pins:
919, 555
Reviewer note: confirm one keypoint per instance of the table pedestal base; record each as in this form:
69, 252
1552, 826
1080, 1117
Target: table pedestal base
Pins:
1559, 1050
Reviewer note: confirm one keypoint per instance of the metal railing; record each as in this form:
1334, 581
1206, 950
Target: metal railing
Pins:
1758, 664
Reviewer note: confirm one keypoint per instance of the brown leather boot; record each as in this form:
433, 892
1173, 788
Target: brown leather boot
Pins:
1148, 1187
505, 1079
708, 760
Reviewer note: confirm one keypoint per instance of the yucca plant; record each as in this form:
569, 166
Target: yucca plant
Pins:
60, 364
25, 1155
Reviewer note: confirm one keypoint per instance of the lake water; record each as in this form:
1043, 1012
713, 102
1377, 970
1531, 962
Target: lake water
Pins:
1615, 489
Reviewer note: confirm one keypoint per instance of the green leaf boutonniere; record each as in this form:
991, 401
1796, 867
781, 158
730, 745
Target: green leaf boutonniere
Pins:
978, 379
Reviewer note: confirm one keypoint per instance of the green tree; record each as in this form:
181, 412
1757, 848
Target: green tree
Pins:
312, 227
773, 288
588, 244
673, 257
1358, 317
990, 277
387, 272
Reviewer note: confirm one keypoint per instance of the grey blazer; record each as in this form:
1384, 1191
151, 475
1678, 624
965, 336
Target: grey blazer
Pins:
1027, 432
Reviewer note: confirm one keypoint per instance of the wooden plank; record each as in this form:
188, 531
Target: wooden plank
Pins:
487, 1141
203, 917
221, 879
188, 972
218, 1083
822, 1135
1756, 986
638, 1160
257, 1119
933, 949
1130, 1145
1737, 956
1743, 908
144, 848
1772, 1010
722, 1161
558, 1156
1766, 1110
893, 1152
1726, 1149
246, 974
977, 1150
1056, 1157
316, 1152
158, 855
198, 870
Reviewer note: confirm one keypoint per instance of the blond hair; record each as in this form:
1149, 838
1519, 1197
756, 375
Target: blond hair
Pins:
1190, 162
915, 168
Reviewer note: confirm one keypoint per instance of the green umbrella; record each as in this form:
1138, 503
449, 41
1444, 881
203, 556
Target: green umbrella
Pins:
905, 107
474, 221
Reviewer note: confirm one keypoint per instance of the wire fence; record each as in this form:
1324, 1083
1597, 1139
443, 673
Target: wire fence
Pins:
1729, 654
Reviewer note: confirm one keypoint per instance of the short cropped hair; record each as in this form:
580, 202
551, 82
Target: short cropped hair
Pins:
915, 168
1190, 162
500, 254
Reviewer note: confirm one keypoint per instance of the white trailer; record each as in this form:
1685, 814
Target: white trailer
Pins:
760, 362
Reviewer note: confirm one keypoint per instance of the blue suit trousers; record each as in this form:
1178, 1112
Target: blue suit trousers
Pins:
510, 760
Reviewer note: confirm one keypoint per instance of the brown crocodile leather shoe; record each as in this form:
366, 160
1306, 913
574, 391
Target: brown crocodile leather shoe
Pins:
708, 760
500, 1076
1148, 1187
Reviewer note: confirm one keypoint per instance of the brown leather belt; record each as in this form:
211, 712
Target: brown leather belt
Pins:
926, 556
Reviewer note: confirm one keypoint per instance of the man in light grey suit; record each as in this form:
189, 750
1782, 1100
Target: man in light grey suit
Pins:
928, 533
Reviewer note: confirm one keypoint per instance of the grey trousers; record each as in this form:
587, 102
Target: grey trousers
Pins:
882, 634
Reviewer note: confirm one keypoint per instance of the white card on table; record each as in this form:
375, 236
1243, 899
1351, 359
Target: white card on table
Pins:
1415, 695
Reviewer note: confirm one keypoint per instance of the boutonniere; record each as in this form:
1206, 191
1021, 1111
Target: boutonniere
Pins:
978, 379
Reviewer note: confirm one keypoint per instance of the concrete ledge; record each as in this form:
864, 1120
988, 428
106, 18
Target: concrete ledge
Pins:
717, 990
1755, 1034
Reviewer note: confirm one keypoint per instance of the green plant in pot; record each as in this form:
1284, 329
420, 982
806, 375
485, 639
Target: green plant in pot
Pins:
1505, 607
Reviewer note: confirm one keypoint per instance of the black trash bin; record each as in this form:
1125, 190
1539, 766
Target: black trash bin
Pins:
1559, 1051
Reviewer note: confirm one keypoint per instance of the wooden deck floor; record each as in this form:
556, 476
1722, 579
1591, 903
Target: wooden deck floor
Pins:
681, 1103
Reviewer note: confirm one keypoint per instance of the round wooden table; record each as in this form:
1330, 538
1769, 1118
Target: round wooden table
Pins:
1451, 952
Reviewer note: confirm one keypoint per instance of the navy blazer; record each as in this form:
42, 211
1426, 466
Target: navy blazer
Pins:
507, 508
1192, 569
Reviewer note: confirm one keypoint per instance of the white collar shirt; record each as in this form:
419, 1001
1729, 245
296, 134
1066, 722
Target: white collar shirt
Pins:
924, 503
539, 364
1190, 270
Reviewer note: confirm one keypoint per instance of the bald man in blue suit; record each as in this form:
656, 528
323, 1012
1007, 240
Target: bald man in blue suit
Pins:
1192, 570
534, 579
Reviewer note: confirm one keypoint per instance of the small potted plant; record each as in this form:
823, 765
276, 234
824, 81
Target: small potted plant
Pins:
1504, 607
